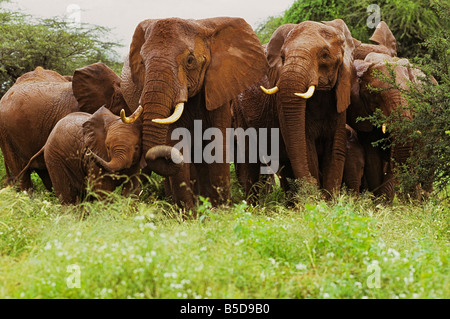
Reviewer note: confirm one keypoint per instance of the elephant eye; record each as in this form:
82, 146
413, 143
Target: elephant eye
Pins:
325, 55
190, 61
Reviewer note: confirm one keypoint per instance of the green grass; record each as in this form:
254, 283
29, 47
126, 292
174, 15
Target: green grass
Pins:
141, 248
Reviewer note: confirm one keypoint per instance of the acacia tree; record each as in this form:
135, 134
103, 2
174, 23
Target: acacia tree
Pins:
28, 42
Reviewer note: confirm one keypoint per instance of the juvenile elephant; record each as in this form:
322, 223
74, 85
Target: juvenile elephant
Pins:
181, 71
38, 100
384, 39
353, 176
87, 149
310, 70
379, 162
28, 112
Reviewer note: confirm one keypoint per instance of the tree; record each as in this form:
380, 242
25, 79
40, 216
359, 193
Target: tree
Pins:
54, 44
411, 21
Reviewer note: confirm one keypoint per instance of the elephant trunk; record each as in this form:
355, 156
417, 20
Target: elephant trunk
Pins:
400, 150
116, 163
292, 111
159, 98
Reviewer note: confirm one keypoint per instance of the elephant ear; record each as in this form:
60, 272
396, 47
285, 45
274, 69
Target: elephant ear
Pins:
237, 60
384, 36
346, 72
94, 131
361, 67
135, 61
273, 52
95, 85
358, 105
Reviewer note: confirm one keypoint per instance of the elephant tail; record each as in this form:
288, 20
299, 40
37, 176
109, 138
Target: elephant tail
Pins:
35, 156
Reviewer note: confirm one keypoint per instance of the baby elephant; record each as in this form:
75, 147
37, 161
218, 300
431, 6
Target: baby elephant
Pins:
86, 149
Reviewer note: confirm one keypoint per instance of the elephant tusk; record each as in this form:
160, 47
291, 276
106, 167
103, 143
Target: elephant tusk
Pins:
174, 117
270, 91
133, 117
308, 93
383, 128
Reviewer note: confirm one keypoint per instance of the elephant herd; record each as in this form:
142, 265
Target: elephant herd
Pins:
310, 81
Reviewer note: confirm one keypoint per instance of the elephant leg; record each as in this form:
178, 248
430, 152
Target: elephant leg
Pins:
7, 154
268, 183
194, 180
25, 181
248, 176
334, 161
65, 189
167, 186
285, 175
14, 165
181, 191
386, 188
214, 181
313, 161
45, 177
373, 169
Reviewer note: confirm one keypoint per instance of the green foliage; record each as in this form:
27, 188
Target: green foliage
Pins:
265, 29
411, 21
51, 43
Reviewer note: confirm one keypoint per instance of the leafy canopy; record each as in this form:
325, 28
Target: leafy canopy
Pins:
28, 42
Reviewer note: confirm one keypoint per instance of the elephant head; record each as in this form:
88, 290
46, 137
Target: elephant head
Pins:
386, 43
96, 85
306, 58
114, 142
365, 100
173, 61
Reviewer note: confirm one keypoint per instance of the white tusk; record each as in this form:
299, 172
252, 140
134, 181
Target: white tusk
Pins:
270, 91
308, 93
133, 117
174, 117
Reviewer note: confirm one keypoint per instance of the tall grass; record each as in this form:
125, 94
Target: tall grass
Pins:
141, 248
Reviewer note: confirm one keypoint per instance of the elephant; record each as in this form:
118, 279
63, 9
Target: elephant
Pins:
38, 100
310, 72
28, 112
86, 149
379, 161
184, 73
386, 43
353, 177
